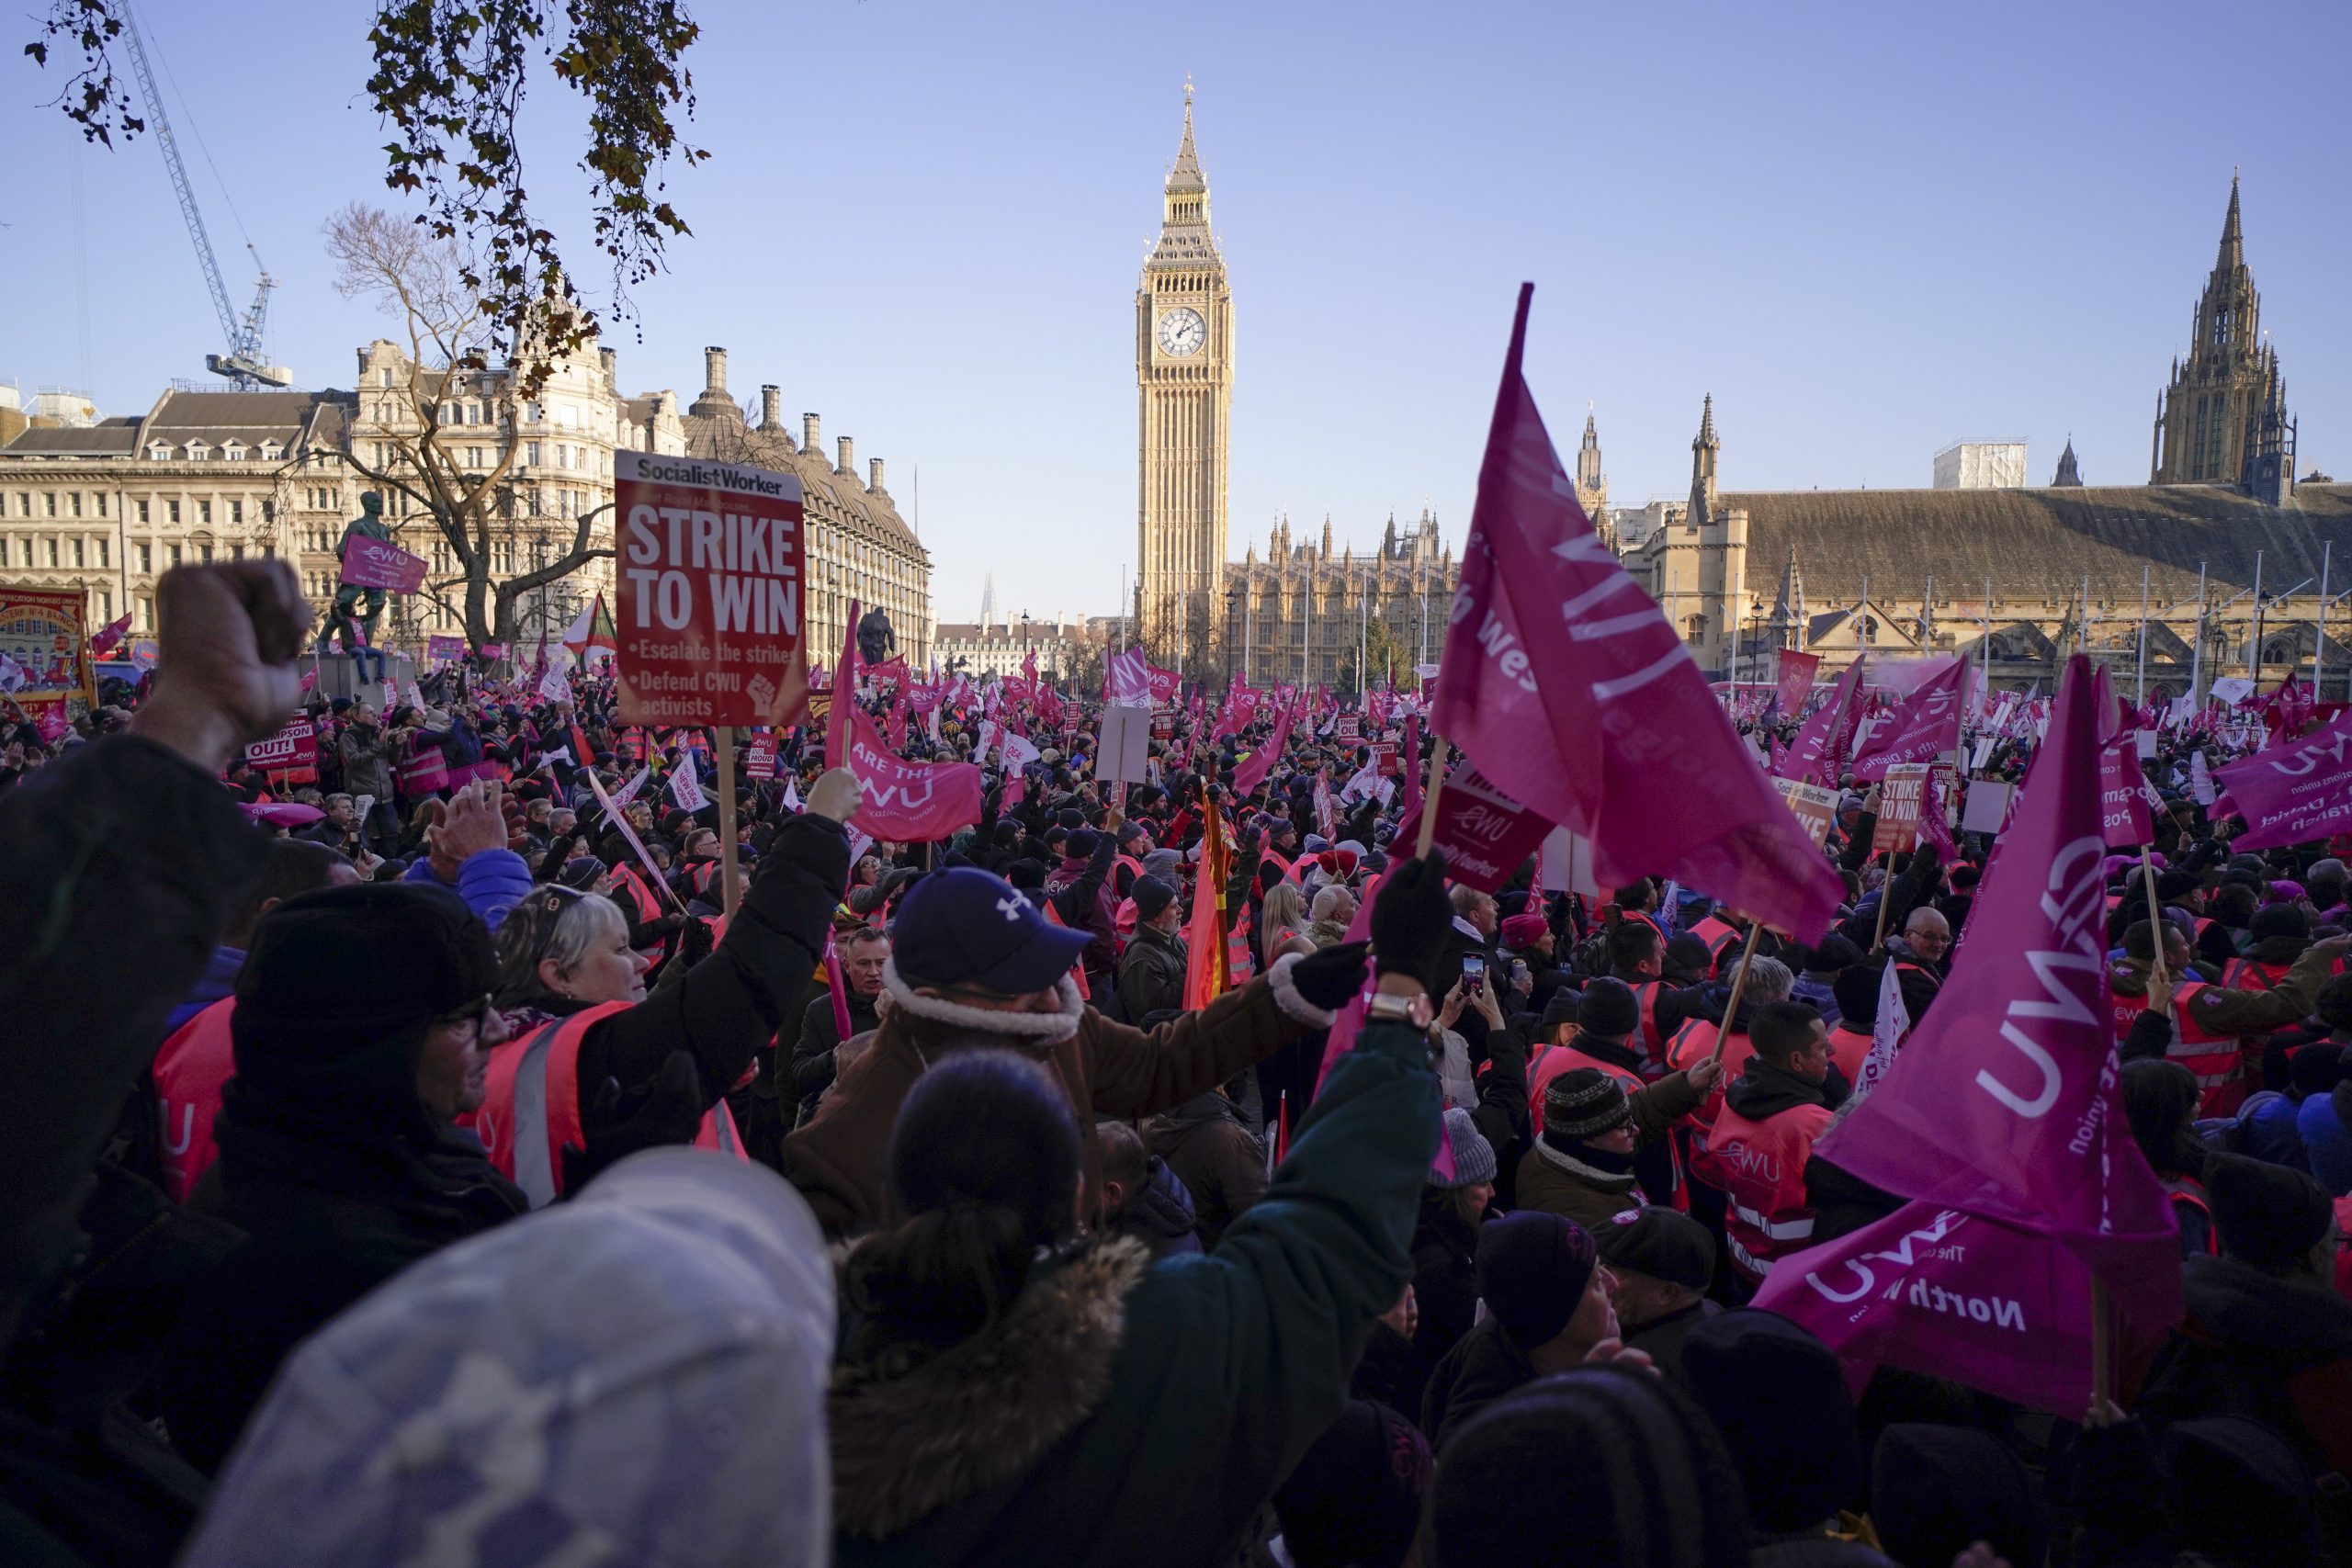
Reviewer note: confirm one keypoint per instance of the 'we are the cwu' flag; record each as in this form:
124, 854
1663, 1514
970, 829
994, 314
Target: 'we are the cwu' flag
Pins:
2002, 1121
1561, 681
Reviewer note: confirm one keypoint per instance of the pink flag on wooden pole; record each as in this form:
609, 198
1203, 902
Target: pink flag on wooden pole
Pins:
1563, 682
2005, 1102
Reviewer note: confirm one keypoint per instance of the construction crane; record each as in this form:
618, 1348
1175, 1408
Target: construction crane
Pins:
242, 364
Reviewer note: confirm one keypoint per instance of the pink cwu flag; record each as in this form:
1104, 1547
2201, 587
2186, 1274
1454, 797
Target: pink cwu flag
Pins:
2293, 791
1564, 684
1818, 754
1923, 727
2005, 1102
903, 802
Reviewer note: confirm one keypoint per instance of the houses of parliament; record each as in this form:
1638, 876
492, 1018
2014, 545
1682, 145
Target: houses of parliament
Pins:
2017, 577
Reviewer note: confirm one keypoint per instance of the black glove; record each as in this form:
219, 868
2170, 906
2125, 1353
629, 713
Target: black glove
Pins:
694, 942
1411, 917
666, 1109
1330, 977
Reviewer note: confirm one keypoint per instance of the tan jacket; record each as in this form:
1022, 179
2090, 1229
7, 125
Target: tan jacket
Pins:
838, 1160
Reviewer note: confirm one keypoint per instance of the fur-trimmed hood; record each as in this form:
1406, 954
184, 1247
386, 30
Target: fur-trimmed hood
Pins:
926, 1019
983, 1413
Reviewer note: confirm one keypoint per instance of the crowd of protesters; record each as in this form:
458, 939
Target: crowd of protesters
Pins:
428, 1160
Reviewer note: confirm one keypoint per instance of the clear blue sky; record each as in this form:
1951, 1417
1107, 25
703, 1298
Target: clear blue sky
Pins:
1867, 229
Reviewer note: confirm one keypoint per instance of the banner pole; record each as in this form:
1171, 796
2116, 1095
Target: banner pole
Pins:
2102, 1344
2155, 911
1885, 897
1738, 984
1432, 785
730, 873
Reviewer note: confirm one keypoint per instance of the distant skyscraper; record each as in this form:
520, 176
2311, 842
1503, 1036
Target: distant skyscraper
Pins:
988, 599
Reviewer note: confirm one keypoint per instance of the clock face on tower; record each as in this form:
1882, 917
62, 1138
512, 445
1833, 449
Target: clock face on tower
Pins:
1182, 333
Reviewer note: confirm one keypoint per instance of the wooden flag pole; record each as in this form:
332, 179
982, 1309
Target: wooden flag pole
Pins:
2155, 910
1885, 897
730, 876
1432, 786
1738, 984
2102, 1344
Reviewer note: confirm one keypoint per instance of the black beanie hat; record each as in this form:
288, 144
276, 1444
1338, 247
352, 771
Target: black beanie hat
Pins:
1152, 896
1356, 1496
2277, 919
339, 985
1565, 1007
1609, 1009
1937, 1490
1582, 1103
1857, 993
1778, 1397
1689, 955
1532, 1270
1631, 1472
2267, 1214
2171, 884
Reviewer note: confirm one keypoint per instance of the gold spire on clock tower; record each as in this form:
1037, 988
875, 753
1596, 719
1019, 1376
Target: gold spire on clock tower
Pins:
1185, 400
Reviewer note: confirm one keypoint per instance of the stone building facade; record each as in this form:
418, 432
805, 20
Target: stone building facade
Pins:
220, 475
1000, 646
1302, 613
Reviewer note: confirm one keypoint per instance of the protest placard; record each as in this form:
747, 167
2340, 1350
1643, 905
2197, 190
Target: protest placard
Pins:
291, 755
378, 563
1383, 758
709, 593
1350, 726
1126, 731
1988, 806
440, 648
759, 757
1484, 833
1902, 797
1815, 807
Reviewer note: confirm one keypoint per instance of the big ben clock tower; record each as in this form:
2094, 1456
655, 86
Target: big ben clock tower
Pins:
1184, 381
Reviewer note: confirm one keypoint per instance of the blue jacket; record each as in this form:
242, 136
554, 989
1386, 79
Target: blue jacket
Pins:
220, 979
491, 882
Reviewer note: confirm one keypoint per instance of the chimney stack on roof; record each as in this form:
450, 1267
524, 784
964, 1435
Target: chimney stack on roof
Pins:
772, 407
812, 438
873, 476
610, 359
848, 464
714, 369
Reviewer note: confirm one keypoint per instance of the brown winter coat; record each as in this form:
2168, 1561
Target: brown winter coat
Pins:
838, 1160
1546, 1182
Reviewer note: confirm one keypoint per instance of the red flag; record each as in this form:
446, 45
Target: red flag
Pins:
1923, 727
845, 698
1409, 763
1621, 740
903, 802
1796, 679
109, 634
1818, 754
1207, 960
1251, 771
2005, 1100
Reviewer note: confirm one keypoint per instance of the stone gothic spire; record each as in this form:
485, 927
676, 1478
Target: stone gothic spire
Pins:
2069, 474
1788, 610
1704, 450
2222, 420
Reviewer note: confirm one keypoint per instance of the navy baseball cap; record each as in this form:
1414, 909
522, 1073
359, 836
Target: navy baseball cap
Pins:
968, 926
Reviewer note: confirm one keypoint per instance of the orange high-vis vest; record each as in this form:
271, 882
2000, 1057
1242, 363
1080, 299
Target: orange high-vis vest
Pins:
530, 1108
1647, 1038
1761, 1166
2217, 1061
1077, 970
1848, 1048
1721, 937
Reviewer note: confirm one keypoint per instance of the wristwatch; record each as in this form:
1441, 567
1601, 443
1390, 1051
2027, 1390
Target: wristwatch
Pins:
1415, 1010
